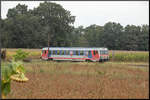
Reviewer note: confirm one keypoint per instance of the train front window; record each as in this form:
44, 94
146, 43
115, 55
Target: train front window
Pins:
101, 52
106, 52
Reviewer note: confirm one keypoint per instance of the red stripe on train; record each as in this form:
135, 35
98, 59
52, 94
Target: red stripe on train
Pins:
71, 58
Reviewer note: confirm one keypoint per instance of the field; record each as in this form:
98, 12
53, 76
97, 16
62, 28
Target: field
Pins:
113, 79
126, 56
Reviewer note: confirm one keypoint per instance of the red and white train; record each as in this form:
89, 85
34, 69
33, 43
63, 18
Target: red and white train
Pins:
75, 54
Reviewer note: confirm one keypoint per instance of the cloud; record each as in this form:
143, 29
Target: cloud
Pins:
96, 12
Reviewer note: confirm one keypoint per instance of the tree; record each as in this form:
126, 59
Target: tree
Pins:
143, 38
77, 37
93, 35
112, 35
57, 19
18, 10
132, 33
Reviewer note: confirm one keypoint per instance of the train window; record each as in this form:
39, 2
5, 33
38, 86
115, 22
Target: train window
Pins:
67, 52
62, 52
49, 52
58, 52
74, 53
86, 53
81, 53
77, 52
45, 51
54, 52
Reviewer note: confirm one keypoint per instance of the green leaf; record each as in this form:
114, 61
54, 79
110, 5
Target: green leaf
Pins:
6, 87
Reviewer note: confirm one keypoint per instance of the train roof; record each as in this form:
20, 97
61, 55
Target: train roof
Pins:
75, 48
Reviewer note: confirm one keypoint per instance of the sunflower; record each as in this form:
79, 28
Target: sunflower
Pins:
19, 77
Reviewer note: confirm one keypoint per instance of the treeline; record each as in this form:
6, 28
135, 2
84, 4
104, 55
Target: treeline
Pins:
51, 24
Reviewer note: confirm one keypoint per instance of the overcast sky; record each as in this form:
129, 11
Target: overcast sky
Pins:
96, 12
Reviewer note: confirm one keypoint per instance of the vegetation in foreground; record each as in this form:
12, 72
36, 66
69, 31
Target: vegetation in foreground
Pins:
13, 70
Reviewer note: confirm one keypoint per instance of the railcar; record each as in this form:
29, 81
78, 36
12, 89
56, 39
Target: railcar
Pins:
75, 54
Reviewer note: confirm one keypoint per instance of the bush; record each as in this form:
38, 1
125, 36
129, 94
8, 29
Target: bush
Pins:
20, 55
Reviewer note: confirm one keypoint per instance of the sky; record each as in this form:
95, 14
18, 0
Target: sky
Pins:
96, 12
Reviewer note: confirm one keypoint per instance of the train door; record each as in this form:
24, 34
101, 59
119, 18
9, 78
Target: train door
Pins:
45, 54
49, 53
95, 54
71, 53
89, 54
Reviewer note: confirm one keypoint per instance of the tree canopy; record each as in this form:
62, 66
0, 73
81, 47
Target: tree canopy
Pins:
51, 24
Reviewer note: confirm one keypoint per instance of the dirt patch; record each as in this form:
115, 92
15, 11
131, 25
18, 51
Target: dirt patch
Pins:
138, 65
110, 82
